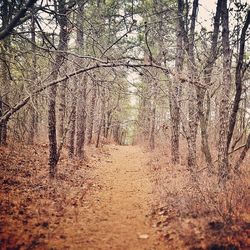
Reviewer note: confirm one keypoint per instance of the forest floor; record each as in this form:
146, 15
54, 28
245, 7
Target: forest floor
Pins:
122, 198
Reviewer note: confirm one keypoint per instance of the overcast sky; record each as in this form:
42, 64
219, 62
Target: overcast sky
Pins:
207, 7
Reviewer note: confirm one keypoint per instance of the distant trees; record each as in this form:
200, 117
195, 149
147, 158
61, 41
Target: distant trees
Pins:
74, 59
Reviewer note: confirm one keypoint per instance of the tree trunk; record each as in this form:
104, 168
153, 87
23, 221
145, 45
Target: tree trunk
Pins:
153, 115
102, 114
201, 92
92, 112
81, 117
62, 104
72, 125
238, 81
52, 128
188, 42
192, 97
175, 90
5, 74
109, 122
33, 128
224, 98
116, 133
81, 89
243, 154
63, 44
5, 78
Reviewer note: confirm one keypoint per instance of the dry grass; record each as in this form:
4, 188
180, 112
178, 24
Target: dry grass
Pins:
189, 213
194, 212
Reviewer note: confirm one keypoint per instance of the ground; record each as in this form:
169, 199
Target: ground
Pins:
119, 215
122, 197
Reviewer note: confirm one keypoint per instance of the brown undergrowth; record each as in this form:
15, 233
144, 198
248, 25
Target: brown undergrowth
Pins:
195, 212
33, 208
103, 202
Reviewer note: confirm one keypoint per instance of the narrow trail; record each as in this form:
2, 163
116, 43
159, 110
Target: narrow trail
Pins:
117, 216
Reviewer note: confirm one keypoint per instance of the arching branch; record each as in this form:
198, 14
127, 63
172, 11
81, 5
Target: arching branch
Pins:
24, 101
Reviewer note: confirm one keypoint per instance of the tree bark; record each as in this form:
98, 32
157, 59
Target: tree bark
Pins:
201, 92
102, 117
92, 112
81, 117
33, 129
81, 89
192, 96
63, 42
4, 95
175, 89
224, 97
5, 74
72, 125
243, 154
153, 119
62, 104
238, 81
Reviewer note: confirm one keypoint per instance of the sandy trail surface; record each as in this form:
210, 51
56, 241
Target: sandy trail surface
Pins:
117, 212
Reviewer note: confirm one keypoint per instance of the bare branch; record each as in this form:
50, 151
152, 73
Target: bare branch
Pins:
6, 31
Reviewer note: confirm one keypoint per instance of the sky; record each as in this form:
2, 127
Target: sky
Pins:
207, 7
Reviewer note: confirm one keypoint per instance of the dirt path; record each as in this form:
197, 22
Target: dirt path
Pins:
117, 216
111, 203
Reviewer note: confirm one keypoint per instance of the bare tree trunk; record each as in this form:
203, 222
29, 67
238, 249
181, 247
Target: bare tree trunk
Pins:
224, 97
144, 120
103, 106
201, 92
53, 159
81, 89
243, 154
5, 74
34, 114
175, 90
5, 78
116, 132
188, 42
81, 117
62, 104
63, 42
72, 125
192, 101
238, 81
75, 126
152, 130
153, 117
109, 122
203, 125
99, 131
92, 113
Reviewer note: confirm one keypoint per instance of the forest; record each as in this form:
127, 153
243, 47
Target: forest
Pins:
124, 124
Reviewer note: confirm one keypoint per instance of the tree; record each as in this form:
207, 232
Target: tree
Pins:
201, 91
81, 89
224, 96
62, 46
176, 89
